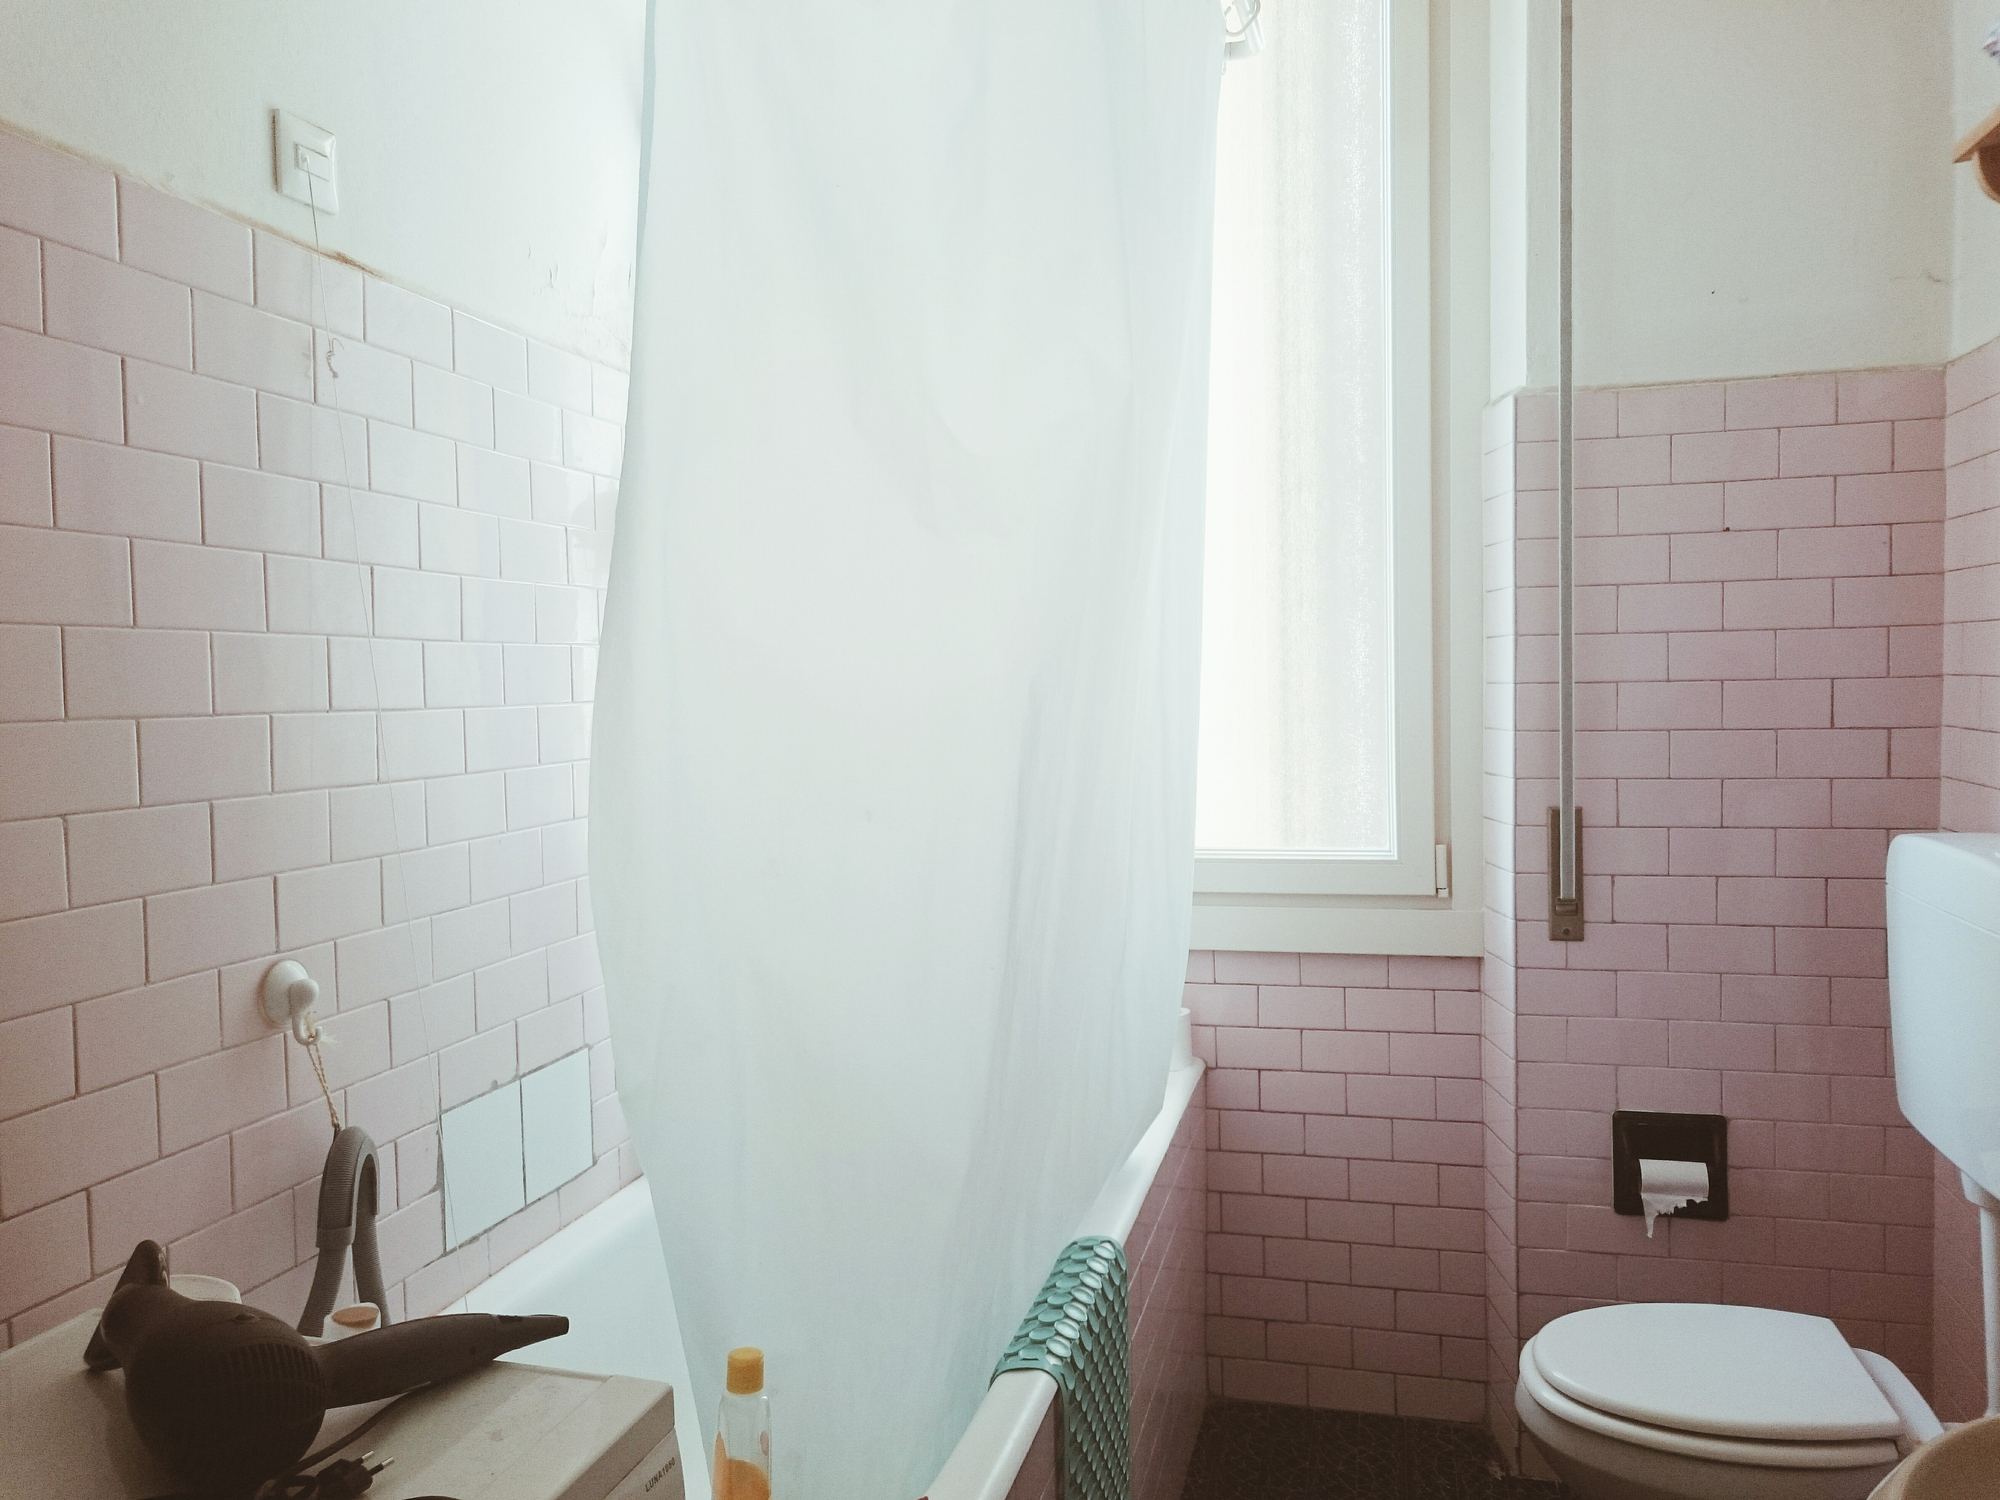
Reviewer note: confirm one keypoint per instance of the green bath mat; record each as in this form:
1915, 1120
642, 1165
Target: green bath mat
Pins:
1076, 1332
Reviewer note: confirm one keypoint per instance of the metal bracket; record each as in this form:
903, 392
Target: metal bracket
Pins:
1565, 913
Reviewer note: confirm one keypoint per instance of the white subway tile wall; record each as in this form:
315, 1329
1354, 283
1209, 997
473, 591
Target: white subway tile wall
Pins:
205, 765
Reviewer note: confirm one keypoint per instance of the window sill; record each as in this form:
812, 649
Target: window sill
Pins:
1280, 925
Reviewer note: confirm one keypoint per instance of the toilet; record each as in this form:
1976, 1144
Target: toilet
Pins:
1693, 1401
1690, 1401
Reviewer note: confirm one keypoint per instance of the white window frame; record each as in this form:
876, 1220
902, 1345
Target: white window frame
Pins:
1238, 918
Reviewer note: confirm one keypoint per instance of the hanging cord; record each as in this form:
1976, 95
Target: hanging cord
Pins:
318, 1061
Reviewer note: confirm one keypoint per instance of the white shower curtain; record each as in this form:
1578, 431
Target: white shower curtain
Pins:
893, 777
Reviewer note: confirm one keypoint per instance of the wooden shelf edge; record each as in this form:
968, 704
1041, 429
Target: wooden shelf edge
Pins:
1981, 147
1980, 135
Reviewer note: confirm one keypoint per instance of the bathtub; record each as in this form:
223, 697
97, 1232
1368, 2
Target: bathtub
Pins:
606, 1274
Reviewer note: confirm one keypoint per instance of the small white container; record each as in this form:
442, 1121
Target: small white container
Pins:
345, 1322
1184, 1042
205, 1288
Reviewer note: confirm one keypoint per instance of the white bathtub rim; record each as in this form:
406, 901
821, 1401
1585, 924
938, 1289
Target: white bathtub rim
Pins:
989, 1454
1120, 1199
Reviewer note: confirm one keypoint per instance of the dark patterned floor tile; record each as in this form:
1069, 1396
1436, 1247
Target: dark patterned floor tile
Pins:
1250, 1451
1449, 1461
1247, 1449
1355, 1456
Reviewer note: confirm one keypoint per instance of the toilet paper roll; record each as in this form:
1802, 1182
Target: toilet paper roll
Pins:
1667, 1185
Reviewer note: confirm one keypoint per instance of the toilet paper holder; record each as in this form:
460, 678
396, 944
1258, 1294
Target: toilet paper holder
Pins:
1662, 1135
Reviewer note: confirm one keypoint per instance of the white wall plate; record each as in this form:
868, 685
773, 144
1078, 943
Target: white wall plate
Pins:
480, 1143
555, 1123
303, 162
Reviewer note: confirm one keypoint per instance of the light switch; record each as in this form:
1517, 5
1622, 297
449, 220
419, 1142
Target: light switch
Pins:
304, 162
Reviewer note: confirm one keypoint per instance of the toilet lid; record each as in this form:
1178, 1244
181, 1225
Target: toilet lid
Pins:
1750, 1372
1873, 1453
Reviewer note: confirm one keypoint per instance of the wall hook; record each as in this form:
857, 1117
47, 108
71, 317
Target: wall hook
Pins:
290, 996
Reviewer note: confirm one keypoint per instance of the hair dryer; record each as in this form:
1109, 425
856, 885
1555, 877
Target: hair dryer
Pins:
228, 1396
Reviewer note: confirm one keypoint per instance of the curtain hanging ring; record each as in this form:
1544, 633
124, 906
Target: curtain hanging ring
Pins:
1246, 37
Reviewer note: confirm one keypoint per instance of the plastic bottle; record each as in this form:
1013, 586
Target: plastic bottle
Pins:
743, 1431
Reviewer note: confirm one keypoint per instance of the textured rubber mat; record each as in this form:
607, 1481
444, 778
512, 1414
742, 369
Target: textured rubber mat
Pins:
1076, 1331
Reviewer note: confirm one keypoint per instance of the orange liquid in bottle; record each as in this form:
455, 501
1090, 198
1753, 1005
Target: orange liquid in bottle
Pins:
738, 1478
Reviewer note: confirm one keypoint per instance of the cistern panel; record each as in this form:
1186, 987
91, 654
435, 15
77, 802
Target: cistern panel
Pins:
1944, 993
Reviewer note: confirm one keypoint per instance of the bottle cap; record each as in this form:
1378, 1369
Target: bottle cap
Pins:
746, 1371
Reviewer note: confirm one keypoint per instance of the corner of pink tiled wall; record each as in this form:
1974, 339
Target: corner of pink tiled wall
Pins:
1969, 801
1759, 655
1499, 1188
206, 764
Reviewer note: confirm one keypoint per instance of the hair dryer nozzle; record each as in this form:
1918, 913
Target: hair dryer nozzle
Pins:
389, 1361
147, 1266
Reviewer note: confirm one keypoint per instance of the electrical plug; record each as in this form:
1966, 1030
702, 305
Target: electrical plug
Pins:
342, 1479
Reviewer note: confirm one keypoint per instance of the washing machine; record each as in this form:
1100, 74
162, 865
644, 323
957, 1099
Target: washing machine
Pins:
506, 1431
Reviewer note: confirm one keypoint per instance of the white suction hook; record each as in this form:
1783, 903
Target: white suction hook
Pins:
1245, 38
290, 995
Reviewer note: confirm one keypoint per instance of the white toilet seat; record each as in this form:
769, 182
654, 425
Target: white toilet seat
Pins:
1692, 1401
1762, 1452
1597, 1467
1755, 1373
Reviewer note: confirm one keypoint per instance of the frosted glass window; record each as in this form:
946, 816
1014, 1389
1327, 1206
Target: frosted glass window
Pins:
1298, 660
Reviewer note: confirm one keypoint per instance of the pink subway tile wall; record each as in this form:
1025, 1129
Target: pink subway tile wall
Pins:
1164, 1260
206, 763
1958, 1304
1039, 1477
1344, 1180
1167, 1254
1969, 802
1759, 657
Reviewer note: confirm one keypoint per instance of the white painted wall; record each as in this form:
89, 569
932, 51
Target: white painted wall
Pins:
489, 149
1760, 188
1521, 196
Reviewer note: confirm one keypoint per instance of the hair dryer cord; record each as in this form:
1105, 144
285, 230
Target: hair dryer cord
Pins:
337, 1481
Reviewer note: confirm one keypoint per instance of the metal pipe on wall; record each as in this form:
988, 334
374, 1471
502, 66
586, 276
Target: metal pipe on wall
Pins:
1565, 819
